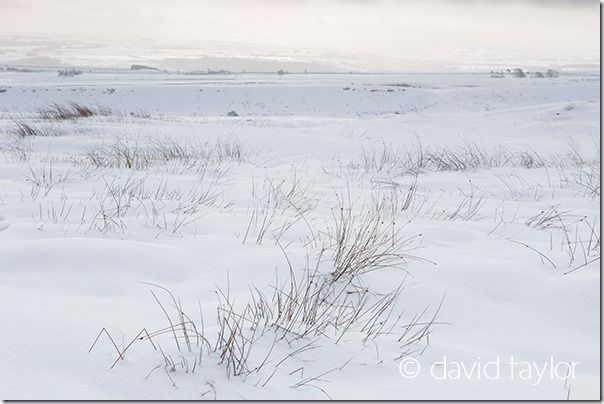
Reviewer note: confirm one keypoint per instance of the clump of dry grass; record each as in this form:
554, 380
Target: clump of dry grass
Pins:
468, 208
293, 193
580, 238
585, 177
229, 150
392, 197
312, 304
44, 178
134, 155
166, 208
290, 200
69, 111
387, 160
316, 304
25, 130
189, 340
467, 156
364, 241
20, 150
551, 218
580, 169
124, 154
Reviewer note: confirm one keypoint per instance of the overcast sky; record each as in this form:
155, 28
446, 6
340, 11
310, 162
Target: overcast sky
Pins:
385, 35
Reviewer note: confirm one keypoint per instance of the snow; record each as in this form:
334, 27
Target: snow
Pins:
195, 228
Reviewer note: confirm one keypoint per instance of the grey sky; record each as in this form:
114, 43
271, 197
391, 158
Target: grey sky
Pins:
374, 34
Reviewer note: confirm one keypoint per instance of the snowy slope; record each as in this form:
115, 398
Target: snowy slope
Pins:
499, 222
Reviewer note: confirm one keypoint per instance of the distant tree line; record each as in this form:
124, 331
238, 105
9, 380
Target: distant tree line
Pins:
69, 72
519, 73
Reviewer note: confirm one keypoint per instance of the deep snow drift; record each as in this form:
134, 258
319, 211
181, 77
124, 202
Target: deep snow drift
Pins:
330, 228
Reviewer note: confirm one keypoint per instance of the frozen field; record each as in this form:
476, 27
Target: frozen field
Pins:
332, 227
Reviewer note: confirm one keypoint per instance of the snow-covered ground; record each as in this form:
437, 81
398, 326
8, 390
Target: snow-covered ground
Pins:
339, 231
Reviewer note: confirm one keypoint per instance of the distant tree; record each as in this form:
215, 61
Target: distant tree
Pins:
280, 72
518, 73
69, 72
551, 73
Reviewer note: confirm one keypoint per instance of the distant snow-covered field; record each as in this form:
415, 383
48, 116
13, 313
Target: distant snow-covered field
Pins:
302, 236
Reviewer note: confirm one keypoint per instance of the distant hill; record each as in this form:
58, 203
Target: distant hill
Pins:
36, 61
249, 64
143, 67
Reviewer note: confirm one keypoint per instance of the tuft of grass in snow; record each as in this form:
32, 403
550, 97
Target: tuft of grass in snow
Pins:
44, 178
573, 240
271, 328
467, 156
165, 208
69, 111
188, 339
19, 150
25, 130
292, 200
364, 240
133, 155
